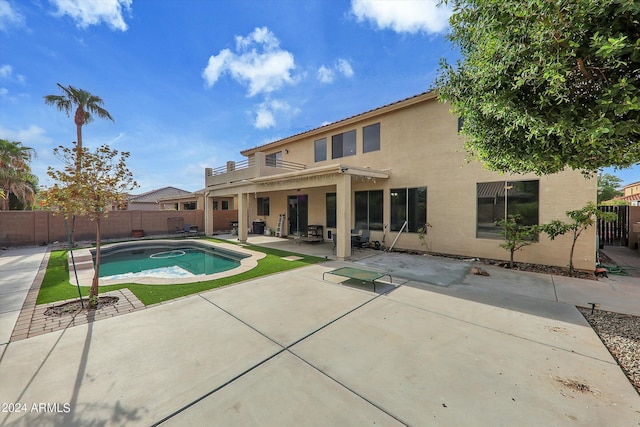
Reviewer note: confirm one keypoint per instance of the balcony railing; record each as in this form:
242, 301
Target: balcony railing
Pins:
256, 166
230, 167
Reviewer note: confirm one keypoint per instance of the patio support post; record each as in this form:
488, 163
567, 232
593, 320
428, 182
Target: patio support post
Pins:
208, 214
243, 217
343, 217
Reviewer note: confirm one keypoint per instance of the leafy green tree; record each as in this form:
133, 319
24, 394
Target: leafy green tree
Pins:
543, 85
100, 183
516, 235
16, 180
616, 202
581, 219
608, 187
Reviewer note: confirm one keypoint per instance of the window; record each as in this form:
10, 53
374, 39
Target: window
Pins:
274, 159
343, 145
331, 210
225, 205
320, 147
371, 138
189, 206
408, 204
263, 206
497, 200
368, 210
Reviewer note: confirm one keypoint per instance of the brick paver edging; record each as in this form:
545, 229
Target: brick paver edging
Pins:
32, 321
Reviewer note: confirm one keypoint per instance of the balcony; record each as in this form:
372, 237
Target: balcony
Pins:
254, 167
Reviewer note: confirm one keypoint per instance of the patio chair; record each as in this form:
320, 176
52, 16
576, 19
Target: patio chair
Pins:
188, 228
365, 235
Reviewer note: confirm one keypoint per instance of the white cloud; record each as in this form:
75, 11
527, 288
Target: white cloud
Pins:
258, 62
264, 118
93, 12
267, 111
9, 16
328, 75
5, 71
404, 16
344, 67
31, 135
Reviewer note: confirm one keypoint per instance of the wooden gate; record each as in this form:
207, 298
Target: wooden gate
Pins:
614, 233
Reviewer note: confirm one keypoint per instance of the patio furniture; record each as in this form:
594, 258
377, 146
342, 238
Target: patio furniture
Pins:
365, 276
188, 229
315, 233
365, 235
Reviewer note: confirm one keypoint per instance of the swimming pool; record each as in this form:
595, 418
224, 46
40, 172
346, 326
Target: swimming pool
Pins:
166, 259
163, 262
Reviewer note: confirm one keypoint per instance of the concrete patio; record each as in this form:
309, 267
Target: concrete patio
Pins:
292, 349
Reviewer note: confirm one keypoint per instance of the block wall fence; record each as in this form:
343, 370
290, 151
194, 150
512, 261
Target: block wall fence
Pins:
26, 228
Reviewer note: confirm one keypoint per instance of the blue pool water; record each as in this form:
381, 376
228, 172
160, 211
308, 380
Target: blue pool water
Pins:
166, 261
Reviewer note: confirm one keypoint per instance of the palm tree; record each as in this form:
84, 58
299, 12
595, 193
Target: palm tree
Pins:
15, 173
86, 106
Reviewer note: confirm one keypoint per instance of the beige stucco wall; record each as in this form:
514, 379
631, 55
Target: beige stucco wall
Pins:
420, 147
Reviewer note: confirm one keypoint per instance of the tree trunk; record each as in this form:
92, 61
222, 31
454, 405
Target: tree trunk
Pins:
573, 245
93, 294
79, 120
511, 259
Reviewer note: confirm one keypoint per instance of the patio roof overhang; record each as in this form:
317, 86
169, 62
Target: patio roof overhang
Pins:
313, 177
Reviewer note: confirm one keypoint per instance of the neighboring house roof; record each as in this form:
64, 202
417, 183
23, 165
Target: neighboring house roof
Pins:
186, 196
389, 107
154, 196
630, 198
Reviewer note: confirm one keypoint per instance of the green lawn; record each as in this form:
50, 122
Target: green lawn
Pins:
56, 287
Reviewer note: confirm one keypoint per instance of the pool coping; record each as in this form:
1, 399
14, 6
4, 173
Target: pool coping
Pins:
85, 271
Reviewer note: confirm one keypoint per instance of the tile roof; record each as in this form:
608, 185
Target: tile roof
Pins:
154, 196
630, 197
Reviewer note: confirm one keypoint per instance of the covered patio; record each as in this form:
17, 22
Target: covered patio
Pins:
338, 179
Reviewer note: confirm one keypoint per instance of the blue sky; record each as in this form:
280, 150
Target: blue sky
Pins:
190, 83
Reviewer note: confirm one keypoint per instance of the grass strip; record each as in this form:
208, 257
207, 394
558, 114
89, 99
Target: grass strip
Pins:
56, 287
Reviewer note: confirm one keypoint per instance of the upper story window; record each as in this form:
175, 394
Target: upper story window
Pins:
343, 144
371, 138
274, 159
320, 147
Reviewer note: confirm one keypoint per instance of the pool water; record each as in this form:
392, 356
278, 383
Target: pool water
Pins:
163, 262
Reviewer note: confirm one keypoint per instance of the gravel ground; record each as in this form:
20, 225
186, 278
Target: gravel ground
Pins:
621, 334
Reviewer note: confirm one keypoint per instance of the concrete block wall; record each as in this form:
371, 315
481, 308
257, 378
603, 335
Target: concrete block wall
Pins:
25, 228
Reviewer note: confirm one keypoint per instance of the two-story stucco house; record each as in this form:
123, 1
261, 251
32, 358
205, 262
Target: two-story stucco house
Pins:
391, 170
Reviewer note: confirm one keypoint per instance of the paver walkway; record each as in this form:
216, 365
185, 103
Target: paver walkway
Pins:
33, 321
